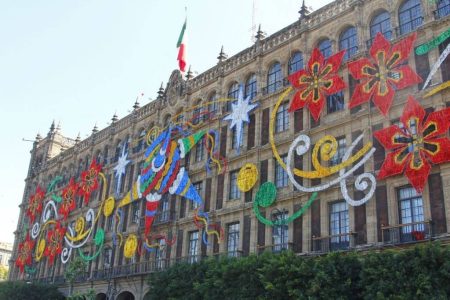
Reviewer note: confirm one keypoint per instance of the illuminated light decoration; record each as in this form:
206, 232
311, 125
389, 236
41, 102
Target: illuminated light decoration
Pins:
130, 246
68, 199
214, 158
247, 177
318, 80
35, 204
418, 145
239, 114
201, 220
109, 207
55, 239
426, 47
40, 249
266, 196
383, 73
118, 220
301, 146
329, 149
89, 181
162, 172
121, 168
437, 65
51, 187
98, 240
439, 88
152, 247
24, 254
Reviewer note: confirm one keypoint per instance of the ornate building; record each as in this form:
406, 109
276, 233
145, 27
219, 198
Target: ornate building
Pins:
333, 131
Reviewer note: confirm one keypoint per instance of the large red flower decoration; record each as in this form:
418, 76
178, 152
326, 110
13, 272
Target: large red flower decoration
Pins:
385, 73
68, 198
416, 145
24, 255
54, 242
89, 181
35, 204
318, 80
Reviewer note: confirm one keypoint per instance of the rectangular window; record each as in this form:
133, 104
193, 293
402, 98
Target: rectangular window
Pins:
282, 118
280, 233
198, 187
335, 102
233, 239
337, 158
235, 138
411, 211
281, 176
135, 212
107, 258
164, 208
199, 151
109, 223
339, 226
160, 254
235, 193
193, 247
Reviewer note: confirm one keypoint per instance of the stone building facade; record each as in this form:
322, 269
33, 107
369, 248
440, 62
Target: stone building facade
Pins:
389, 218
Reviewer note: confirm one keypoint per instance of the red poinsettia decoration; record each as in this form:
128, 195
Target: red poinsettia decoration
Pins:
89, 181
318, 80
35, 204
54, 242
68, 198
385, 73
416, 145
24, 255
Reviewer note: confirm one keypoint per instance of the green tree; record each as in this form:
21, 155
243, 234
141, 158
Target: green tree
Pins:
76, 267
3, 273
19, 290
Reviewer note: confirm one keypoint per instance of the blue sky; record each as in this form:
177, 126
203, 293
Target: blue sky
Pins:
79, 62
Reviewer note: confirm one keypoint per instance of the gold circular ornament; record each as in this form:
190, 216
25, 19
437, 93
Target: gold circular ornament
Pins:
109, 206
40, 249
79, 225
247, 177
130, 246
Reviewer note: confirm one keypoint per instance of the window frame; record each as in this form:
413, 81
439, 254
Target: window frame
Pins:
297, 64
280, 241
281, 176
348, 40
274, 78
406, 19
339, 235
234, 192
233, 230
282, 118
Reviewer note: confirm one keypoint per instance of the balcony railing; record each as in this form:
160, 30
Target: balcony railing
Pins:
388, 35
406, 233
236, 253
325, 244
276, 248
408, 27
162, 217
272, 88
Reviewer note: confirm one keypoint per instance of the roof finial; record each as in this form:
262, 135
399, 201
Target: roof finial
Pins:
260, 35
78, 139
189, 74
304, 11
160, 92
115, 118
222, 55
95, 129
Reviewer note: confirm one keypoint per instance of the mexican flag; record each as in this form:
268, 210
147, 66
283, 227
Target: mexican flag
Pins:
181, 45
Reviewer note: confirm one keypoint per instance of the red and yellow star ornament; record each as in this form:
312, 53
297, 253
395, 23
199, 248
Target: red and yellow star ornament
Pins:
54, 242
417, 145
35, 204
24, 254
314, 83
68, 198
383, 73
89, 181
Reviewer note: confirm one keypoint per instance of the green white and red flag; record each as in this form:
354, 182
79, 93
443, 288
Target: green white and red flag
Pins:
181, 45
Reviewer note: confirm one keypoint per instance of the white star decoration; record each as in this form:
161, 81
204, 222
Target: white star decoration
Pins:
121, 168
239, 114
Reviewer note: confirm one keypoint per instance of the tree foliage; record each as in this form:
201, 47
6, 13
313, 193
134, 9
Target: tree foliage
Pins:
419, 273
19, 290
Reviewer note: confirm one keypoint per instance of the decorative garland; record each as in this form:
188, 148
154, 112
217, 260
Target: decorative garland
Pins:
426, 47
437, 65
439, 88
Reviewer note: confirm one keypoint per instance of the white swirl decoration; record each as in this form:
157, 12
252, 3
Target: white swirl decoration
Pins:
77, 239
301, 145
48, 212
35, 230
67, 251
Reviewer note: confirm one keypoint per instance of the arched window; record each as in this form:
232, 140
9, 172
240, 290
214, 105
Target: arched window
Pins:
410, 16
443, 9
381, 23
250, 87
105, 155
233, 92
213, 106
349, 41
118, 151
295, 62
98, 157
197, 114
274, 78
140, 141
325, 48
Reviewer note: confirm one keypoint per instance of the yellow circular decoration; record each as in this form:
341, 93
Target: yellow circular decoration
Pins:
79, 225
130, 246
152, 134
40, 250
109, 206
247, 177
